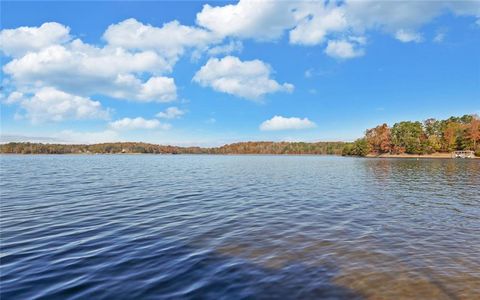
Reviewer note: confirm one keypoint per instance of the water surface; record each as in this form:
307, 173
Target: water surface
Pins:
238, 227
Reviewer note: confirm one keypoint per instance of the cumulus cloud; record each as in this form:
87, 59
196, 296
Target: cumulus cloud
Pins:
170, 40
261, 20
308, 22
408, 36
283, 123
107, 61
170, 113
343, 49
317, 22
83, 69
16, 42
246, 79
137, 123
49, 104
129, 67
133, 62
160, 89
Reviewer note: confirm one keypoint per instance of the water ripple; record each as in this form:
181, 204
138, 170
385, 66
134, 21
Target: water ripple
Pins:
238, 227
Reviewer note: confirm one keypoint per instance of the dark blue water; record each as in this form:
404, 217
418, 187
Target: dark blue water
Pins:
238, 227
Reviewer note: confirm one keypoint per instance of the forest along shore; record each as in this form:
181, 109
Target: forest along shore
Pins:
319, 148
406, 155
430, 139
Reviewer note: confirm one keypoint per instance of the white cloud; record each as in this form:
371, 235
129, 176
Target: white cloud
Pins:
136, 56
170, 40
82, 69
128, 67
406, 36
247, 79
232, 46
283, 123
49, 104
343, 49
90, 60
262, 20
137, 123
392, 16
160, 89
170, 113
16, 42
316, 21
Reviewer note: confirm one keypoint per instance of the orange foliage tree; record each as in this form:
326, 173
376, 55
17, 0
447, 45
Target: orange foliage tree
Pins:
473, 131
379, 139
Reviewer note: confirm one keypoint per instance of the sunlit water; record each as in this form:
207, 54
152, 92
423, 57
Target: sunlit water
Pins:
232, 227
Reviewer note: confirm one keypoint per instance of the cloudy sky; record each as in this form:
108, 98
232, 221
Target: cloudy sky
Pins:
208, 73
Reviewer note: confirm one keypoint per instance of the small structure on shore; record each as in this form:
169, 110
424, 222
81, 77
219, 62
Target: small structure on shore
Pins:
463, 154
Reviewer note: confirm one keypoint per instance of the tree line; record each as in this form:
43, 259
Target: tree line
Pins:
429, 136
334, 148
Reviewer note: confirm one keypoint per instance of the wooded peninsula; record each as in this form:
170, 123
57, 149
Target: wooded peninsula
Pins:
407, 137
431, 136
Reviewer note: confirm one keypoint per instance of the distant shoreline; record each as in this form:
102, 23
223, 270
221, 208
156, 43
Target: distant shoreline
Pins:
405, 155
262, 147
241, 148
369, 156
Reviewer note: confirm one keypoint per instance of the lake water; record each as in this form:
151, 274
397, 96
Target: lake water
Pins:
238, 227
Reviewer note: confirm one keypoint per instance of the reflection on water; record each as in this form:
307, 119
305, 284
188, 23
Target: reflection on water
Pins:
144, 226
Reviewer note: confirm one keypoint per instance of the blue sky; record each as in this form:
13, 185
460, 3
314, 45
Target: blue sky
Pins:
209, 73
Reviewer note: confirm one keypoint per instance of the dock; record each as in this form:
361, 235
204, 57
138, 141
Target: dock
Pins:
463, 154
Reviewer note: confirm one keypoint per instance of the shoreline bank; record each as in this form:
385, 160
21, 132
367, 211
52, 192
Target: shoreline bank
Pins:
405, 155
396, 156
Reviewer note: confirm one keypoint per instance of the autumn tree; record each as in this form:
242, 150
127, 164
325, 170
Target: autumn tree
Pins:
473, 131
379, 139
452, 136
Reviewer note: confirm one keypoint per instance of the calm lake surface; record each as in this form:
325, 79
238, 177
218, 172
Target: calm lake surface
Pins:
233, 227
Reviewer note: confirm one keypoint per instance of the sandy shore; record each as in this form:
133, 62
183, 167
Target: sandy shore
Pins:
433, 155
